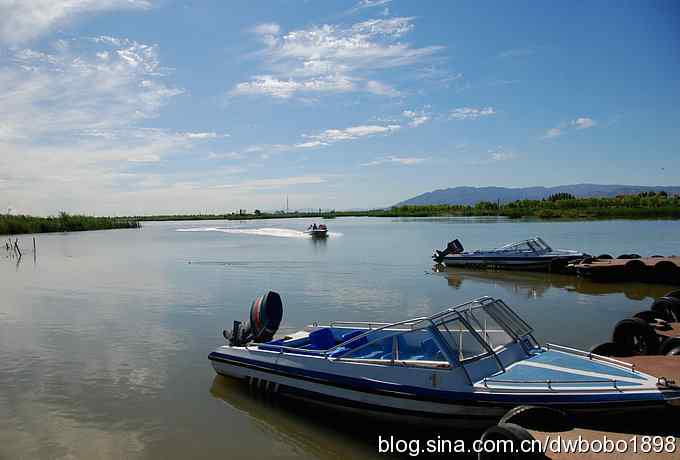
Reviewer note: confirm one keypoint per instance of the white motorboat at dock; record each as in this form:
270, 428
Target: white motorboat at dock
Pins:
467, 364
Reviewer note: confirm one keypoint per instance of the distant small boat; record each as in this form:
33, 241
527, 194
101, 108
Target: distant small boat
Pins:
317, 231
531, 254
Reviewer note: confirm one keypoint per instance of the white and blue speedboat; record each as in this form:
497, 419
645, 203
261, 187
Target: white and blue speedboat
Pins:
530, 254
470, 363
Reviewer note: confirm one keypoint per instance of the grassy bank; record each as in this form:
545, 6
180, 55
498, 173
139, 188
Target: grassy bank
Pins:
562, 206
14, 225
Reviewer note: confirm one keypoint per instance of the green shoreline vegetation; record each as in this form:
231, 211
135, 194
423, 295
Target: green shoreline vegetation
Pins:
14, 225
647, 205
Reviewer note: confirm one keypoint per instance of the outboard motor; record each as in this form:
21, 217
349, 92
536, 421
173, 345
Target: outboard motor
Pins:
454, 247
265, 317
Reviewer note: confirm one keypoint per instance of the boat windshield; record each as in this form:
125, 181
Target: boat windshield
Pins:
481, 327
533, 245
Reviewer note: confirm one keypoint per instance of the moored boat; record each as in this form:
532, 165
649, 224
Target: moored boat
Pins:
530, 254
468, 364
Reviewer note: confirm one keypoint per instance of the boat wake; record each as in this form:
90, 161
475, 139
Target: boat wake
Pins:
277, 232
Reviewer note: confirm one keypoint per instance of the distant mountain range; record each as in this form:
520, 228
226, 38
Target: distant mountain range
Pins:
473, 195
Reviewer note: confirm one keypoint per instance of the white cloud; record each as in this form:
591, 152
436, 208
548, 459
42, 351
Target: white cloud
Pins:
495, 155
381, 89
354, 132
371, 3
470, 113
270, 85
71, 120
224, 156
416, 118
267, 29
503, 156
395, 27
332, 58
145, 159
73, 89
204, 135
405, 161
564, 127
583, 123
553, 132
23, 20
264, 184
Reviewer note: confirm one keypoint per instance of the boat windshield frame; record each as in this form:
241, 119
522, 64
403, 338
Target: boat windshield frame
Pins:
536, 244
509, 322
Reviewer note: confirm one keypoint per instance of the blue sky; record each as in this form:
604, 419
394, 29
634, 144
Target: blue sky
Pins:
142, 106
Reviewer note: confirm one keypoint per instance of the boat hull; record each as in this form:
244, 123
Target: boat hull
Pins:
471, 410
317, 233
515, 263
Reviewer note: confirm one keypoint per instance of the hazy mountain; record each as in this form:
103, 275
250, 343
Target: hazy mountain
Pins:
472, 195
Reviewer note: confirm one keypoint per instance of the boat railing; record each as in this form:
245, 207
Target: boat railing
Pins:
590, 355
368, 324
551, 383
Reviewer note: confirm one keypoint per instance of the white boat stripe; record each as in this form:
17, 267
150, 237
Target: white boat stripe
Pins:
570, 370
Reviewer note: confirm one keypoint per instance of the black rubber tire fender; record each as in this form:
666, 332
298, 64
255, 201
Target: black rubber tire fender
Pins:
635, 268
538, 418
609, 349
670, 347
674, 294
667, 272
668, 307
511, 432
635, 336
604, 257
651, 316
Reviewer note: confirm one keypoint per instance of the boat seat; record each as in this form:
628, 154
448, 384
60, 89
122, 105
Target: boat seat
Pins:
432, 350
350, 335
321, 339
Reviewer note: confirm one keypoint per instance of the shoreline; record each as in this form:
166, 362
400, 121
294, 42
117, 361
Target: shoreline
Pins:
645, 206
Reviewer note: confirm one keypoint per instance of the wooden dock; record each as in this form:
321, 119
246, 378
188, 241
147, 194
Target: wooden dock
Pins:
647, 269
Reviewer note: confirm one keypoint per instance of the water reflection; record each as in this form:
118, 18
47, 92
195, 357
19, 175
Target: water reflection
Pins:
320, 431
537, 284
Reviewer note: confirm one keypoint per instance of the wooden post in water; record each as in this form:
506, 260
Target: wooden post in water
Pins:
16, 246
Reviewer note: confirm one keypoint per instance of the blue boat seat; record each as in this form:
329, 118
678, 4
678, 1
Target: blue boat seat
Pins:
431, 350
321, 339
356, 343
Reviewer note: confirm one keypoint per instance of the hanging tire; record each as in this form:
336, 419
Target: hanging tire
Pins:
604, 257
666, 272
671, 347
538, 418
650, 316
609, 349
635, 269
668, 308
674, 294
636, 337
624, 256
508, 432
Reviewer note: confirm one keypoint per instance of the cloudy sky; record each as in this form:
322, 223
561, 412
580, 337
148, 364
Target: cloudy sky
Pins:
150, 106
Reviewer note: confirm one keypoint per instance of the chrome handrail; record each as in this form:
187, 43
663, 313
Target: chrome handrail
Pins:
591, 355
549, 383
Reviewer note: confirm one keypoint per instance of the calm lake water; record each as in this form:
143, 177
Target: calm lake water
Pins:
104, 336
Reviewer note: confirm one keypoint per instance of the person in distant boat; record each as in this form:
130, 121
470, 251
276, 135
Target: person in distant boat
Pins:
314, 226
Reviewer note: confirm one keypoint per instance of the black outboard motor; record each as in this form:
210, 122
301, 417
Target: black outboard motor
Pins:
265, 317
454, 247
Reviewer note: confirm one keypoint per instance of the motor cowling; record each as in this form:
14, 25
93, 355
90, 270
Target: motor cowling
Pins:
264, 319
453, 247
